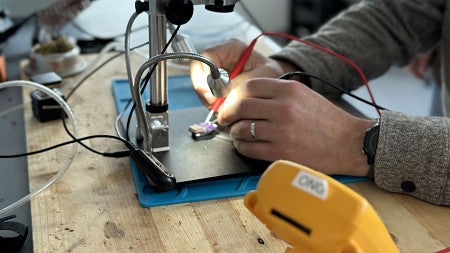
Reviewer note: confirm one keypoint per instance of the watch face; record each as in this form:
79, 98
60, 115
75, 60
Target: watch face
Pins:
370, 143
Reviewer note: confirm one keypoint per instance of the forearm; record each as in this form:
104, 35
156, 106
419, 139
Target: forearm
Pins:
375, 35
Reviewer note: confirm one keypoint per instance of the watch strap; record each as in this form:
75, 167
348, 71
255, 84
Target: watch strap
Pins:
370, 144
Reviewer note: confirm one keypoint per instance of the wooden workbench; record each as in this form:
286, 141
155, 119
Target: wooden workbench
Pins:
94, 208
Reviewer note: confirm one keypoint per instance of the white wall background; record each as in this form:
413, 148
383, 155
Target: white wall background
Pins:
272, 15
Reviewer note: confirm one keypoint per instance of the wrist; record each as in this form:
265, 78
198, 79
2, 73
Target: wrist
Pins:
290, 67
360, 165
287, 66
370, 145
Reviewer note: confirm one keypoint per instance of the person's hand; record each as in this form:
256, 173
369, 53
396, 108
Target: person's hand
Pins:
420, 64
226, 55
293, 122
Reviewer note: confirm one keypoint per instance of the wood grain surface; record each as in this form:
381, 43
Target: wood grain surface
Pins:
94, 208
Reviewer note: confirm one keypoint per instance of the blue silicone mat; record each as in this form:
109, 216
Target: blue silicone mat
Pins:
181, 95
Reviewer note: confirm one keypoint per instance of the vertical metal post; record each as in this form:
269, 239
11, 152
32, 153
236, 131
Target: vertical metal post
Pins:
157, 113
157, 107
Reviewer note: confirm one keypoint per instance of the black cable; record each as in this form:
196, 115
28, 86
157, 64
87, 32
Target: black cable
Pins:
129, 145
81, 29
117, 154
122, 153
91, 73
145, 82
99, 67
300, 73
106, 154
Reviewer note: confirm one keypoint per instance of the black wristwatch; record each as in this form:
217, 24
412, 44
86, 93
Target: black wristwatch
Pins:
371, 142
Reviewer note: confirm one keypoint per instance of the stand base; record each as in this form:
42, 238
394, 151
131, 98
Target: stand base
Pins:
204, 169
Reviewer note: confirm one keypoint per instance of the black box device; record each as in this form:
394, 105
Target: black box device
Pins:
45, 108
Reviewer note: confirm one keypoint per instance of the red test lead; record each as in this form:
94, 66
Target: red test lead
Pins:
214, 108
236, 70
246, 54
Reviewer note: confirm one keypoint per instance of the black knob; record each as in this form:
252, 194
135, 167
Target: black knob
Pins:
141, 6
179, 12
219, 6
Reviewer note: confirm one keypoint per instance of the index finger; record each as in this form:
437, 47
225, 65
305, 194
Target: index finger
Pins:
253, 100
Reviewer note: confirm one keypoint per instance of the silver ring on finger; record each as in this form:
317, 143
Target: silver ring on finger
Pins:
252, 130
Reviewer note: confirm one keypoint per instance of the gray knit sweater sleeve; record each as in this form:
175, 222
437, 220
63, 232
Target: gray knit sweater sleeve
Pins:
375, 35
413, 156
413, 152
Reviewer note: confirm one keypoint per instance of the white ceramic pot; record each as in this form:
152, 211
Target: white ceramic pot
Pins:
64, 64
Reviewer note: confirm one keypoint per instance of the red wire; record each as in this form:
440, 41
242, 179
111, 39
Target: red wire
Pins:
236, 70
246, 54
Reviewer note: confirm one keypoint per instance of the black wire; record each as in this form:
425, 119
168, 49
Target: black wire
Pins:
129, 145
81, 29
124, 153
126, 141
90, 74
99, 67
145, 82
106, 154
300, 73
121, 153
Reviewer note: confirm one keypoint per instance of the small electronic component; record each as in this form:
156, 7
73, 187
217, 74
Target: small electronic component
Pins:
44, 107
203, 130
314, 212
48, 78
